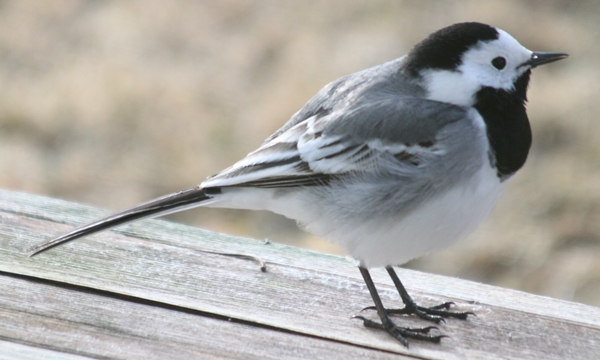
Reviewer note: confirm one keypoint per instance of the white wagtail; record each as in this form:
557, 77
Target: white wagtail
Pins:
391, 162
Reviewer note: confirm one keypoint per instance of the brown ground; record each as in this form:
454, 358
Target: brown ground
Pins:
114, 103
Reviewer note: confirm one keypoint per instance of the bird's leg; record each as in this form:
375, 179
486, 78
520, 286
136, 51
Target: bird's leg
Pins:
387, 324
434, 313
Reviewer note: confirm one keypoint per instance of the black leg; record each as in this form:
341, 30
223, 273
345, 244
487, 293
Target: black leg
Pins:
387, 324
434, 313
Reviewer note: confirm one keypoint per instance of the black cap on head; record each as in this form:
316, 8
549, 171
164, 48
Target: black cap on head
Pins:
444, 48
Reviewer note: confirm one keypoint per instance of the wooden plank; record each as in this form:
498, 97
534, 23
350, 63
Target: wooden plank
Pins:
15, 351
279, 302
98, 325
303, 292
57, 211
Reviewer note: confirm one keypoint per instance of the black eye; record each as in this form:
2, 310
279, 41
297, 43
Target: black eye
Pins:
499, 62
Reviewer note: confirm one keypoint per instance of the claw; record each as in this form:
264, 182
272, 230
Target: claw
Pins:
445, 305
424, 330
435, 314
368, 308
402, 334
360, 317
434, 339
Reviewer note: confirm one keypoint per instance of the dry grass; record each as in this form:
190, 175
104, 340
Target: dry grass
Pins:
114, 103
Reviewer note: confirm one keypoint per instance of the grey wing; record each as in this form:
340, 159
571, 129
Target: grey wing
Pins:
392, 134
344, 91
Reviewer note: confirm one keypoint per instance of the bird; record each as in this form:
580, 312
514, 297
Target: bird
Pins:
391, 162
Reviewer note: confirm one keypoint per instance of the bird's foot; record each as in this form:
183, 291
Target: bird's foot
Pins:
435, 314
401, 333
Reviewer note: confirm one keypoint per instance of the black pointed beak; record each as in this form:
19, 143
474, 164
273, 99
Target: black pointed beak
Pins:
541, 58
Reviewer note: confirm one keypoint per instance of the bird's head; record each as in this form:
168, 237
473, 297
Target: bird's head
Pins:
455, 63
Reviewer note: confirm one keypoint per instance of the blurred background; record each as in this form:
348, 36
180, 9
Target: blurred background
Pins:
111, 103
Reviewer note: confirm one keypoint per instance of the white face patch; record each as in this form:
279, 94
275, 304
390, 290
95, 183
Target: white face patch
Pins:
450, 87
476, 71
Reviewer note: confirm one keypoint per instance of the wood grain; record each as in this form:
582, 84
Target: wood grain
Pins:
154, 275
94, 324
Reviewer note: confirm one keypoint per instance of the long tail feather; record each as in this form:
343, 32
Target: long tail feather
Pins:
175, 202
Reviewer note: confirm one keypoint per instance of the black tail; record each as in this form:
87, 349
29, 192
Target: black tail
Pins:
175, 202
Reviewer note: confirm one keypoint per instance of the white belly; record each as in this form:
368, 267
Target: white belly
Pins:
435, 224
386, 240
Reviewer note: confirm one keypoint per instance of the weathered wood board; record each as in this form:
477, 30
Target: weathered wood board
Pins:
149, 290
